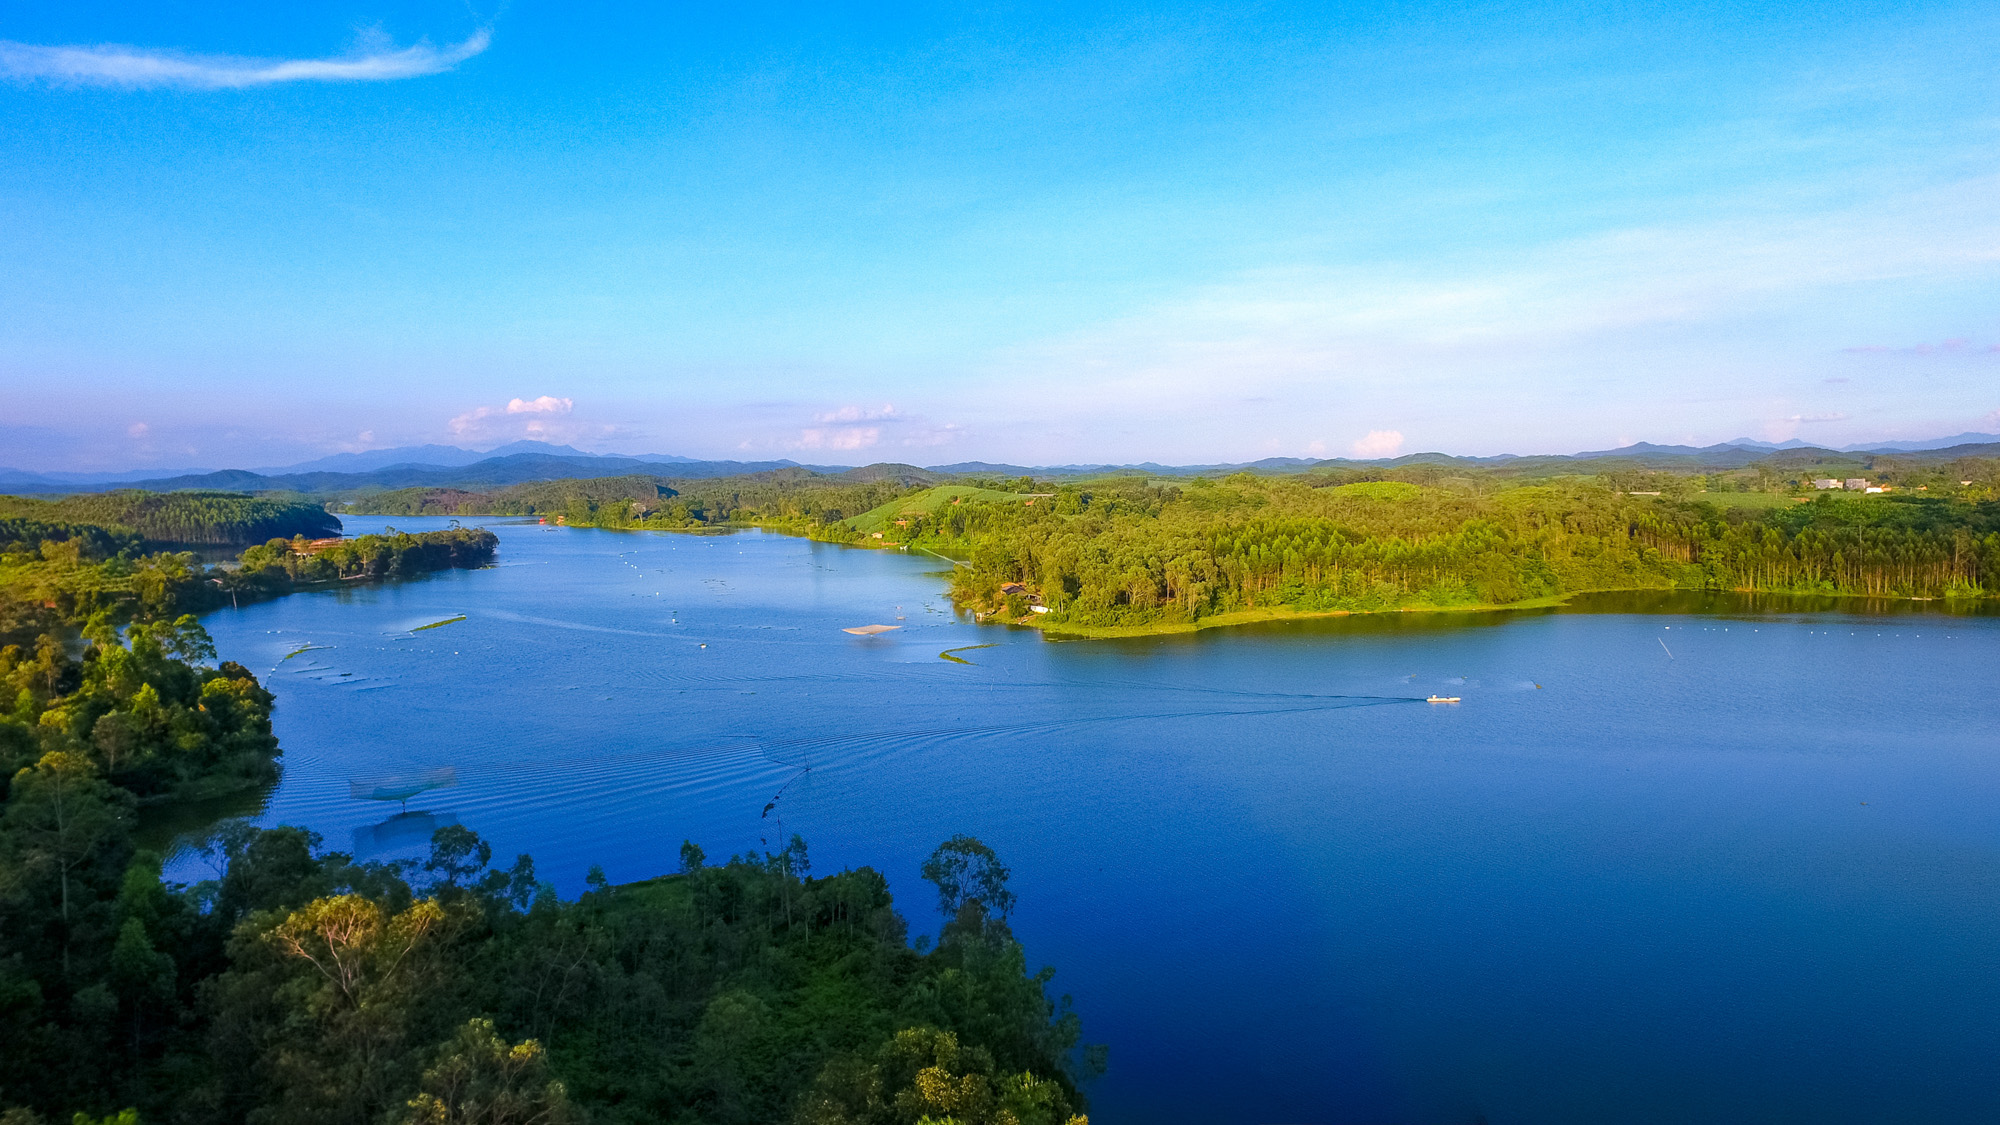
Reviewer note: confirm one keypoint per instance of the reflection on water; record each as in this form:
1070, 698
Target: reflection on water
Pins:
406, 832
1752, 873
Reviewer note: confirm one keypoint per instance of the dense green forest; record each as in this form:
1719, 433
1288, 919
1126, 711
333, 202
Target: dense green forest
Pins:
144, 711
1126, 553
283, 565
1134, 552
181, 518
299, 985
94, 572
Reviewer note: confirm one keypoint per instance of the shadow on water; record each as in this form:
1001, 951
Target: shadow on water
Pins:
1734, 603
164, 828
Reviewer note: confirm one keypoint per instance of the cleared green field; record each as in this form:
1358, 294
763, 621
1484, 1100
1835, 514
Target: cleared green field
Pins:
1759, 501
928, 502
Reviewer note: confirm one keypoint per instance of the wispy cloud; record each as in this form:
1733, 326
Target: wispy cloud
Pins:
1679, 313
856, 414
110, 64
839, 437
1959, 345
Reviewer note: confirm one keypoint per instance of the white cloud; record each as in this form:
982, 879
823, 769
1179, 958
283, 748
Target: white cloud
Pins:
547, 404
536, 418
138, 429
1379, 443
142, 68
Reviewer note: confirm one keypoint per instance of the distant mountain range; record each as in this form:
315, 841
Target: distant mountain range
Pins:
446, 466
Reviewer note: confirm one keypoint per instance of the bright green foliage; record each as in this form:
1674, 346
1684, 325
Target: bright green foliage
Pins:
85, 540
279, 565
67, 579
924, 1076
1132, 553
480, 1080
145, 713
894, 518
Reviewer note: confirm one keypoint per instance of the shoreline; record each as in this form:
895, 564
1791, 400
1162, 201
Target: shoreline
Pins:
1053, 630
1057, 630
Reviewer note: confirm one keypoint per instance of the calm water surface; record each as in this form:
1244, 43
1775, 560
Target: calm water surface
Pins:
1655, 868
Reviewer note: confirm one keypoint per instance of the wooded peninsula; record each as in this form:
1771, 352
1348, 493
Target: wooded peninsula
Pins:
1147, 554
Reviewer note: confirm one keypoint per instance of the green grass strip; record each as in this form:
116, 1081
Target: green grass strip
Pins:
437, 624
947, 653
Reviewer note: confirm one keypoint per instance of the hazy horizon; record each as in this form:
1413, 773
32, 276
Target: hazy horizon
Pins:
253, 237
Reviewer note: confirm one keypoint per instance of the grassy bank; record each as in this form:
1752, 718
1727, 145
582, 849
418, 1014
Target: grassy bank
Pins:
1069, 630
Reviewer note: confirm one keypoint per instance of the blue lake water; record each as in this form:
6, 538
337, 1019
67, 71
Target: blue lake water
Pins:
1656, 867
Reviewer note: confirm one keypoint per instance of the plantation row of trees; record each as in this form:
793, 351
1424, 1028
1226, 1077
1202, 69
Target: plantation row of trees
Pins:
182, 518
1133, 553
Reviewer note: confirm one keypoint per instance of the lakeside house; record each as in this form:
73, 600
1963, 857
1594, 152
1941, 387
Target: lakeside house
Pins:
1857, 484
1826, 482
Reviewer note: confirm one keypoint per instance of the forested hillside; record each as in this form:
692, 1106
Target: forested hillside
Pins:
181, 518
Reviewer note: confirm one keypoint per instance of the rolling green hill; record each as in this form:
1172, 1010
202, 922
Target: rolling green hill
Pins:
929, 502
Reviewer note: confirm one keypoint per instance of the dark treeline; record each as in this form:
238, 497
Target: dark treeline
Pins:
182, 518
792, 500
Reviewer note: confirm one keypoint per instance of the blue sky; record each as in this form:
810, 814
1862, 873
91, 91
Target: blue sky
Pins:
245, 235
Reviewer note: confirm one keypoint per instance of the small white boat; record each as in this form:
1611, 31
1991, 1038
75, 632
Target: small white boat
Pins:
1442, 699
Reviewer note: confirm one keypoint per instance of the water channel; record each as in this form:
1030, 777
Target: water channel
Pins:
1712, 861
